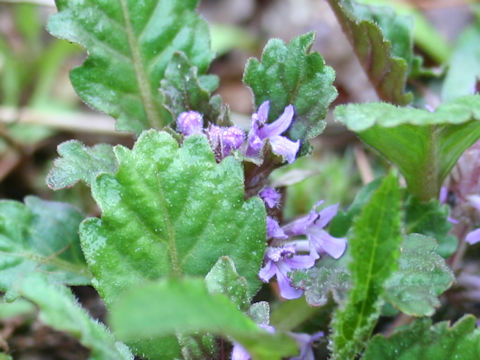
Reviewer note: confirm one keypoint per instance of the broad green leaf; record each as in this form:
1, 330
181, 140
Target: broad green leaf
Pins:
60, 310
260, 312
290, 74
184, 90
431, 219
171, 210
130, 44
424, 145
40, 236
175, 306
422, 340
327, 276
382, 41
80, 163
224, 279
421, 277
464, 71
374, 248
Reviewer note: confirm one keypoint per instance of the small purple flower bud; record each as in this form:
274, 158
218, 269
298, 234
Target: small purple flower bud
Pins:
224, 140
270, 196
190, 122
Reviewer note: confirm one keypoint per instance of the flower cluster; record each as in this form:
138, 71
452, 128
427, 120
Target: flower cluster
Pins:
284, 258
224, 140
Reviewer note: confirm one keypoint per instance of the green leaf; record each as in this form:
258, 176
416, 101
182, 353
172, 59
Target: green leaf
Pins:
224, 279
260, 312
374, 247
327, 276
421, 340
130, 44
421, 277
382, 41
40, 236
183, 90
342, 222
171, 210
464, 71
80, 163
290, 74
424, 145
172, 311
60, 310
430, 218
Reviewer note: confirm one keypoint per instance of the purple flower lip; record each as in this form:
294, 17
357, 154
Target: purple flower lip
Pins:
260, 131
279, 262
270, 196
312, 226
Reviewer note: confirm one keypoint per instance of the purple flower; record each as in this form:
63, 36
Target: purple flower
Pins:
280, 261
239, 352
261, 131
274, 230
270, 196
224, 140
312, 226
473, 237
305, 341
190, 122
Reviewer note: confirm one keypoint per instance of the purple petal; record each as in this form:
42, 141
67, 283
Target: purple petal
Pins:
278, 126
452, 220
300, 226
239, 352
442, 197
232, 138
262, 112
270, 196
287, 291
326, 215
299, 262
274, 230
305, 341
285, 147
268, 271
190, 122
473, 237
324, 242
255, 144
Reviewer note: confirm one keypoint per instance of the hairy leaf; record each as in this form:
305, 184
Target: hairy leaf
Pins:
431, 219
421, 277
422, 340
290, 74
184, 90
383, 42
40, 236
224, 279
60, 310
171, 210
464, 71
424, 145
136, 316
374, 248
80, 163
130, 44
328, 276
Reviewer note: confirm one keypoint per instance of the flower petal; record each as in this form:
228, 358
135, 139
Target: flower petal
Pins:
326, 243
300, 262
262, 112
473, 237
274, 230
239, 352
326, 215
189, 123
287, 291
267, 272
285, 147
278, 126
